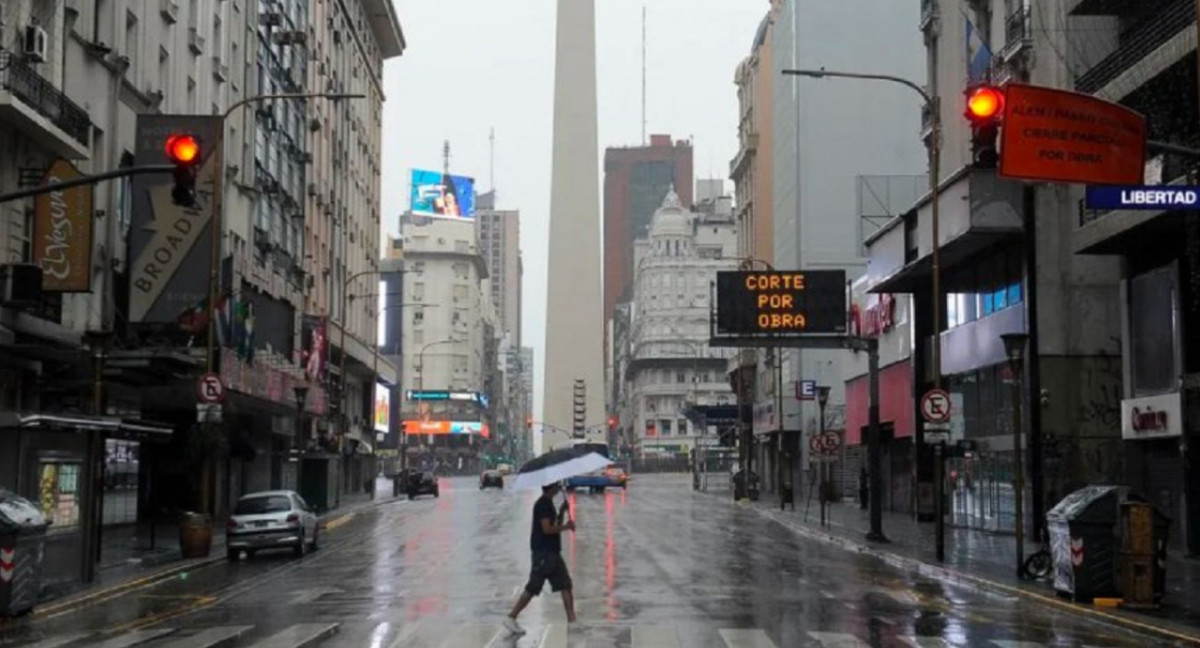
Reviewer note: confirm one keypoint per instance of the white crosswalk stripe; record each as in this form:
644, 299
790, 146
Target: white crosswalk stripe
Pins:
838, 640
655, 637
472, 636
746, 638
59, 641
299, 636
926, 642
210, 638
132, 638
431, 634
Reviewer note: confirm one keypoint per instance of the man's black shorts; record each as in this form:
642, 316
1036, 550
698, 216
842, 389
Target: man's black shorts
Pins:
548, 567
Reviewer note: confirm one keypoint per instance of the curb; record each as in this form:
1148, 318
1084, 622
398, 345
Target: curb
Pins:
955, 575
65, 606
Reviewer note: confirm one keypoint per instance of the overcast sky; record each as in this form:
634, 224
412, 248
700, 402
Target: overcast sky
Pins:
474, 65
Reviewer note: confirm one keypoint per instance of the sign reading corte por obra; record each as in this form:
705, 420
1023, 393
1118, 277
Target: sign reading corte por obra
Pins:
781, 303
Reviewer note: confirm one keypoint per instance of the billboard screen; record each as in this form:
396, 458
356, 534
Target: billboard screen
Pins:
447, 427
383, 405
781, 303
435, 194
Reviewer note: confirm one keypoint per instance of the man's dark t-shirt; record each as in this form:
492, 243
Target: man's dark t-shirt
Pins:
539, 541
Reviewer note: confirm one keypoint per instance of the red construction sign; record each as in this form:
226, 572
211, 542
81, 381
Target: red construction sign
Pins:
1060, 136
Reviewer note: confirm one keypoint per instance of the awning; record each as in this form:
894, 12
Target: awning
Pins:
112, 426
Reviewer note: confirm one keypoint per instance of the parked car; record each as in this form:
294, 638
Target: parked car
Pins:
491, 479
617, 477
422, 483
271, 520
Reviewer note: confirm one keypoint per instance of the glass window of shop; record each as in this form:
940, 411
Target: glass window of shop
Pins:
986, 395
987, 287
1153, 326
58, 494
120, 481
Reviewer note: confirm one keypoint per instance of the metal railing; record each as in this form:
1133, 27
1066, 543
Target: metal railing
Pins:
1143, 39
1018, 31
26, 84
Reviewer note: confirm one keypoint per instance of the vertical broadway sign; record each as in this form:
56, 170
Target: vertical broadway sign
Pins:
62, 233
165, 237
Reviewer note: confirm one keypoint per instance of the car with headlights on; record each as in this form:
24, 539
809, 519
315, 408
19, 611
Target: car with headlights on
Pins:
491, 479
271, 520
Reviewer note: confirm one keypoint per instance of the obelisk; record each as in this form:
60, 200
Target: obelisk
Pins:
574, 321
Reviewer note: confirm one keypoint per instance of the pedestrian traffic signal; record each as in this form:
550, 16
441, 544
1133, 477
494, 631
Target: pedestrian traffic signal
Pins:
183, 151
985, 107
612, 421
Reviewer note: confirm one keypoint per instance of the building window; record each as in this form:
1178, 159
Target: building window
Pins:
683, 427
1152, 314
680, 377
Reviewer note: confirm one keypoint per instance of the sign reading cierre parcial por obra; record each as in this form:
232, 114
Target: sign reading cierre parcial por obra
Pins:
1135, 197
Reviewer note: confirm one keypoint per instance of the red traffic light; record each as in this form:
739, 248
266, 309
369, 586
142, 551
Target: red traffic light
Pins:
985, 103
183, 149
612, 421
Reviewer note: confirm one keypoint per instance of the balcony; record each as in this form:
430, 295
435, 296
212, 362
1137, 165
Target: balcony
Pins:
32, 105
1018, 33
1138, 43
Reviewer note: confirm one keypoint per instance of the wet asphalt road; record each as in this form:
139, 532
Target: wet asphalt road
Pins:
658, 566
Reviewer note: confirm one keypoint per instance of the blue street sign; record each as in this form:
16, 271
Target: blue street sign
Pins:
806, 390
1152, 197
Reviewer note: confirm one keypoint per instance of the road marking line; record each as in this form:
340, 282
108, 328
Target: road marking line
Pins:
152, 619
472, 636
1005, 643
406, 634
737, 638
109, 593
838, 640
926, 642
655, 637
62, 640
337, 522
211, 638
299, 635
133, 638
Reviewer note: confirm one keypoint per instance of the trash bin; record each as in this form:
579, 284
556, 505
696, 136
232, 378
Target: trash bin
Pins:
1086, 542
22, 548
1143, 554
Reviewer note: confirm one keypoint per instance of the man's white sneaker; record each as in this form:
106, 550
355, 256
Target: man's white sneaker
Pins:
510, 624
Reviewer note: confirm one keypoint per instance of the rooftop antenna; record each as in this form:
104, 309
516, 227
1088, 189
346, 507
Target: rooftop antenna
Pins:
445, 158
492, 159
643, 75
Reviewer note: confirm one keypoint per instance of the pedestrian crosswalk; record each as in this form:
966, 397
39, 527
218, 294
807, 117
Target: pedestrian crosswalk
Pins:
431, 634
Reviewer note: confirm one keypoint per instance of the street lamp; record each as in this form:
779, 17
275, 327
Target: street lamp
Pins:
1014, 347
934, 149
218, 191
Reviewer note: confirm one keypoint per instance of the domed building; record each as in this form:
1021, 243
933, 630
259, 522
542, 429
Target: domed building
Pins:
671, 373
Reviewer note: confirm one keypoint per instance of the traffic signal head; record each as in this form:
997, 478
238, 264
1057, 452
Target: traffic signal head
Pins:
985, 107
612, 421
183, 151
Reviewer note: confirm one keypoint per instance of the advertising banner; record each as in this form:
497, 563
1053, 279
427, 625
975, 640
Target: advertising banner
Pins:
444, 196
447, 427
62, 232
315, 347
164, 237
383, 406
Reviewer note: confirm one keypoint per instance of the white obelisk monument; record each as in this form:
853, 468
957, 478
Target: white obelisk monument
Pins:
574, 321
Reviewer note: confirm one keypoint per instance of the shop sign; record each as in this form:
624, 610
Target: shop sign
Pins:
877, 319
62, 233
1152, 417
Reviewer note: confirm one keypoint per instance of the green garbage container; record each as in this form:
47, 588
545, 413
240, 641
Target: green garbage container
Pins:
22, 549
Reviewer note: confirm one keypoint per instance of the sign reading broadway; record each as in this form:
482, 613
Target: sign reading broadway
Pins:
166, 238
781, 304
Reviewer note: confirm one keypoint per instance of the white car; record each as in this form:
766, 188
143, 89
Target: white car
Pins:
271, 520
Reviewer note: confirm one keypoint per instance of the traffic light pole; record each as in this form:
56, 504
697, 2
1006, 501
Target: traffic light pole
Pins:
87, 180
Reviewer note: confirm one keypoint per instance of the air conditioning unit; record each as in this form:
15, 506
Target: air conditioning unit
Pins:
312, 189
170, 11
271, 19
306, 157
36, 43
220, 69
20, 284
195, 41
291, 38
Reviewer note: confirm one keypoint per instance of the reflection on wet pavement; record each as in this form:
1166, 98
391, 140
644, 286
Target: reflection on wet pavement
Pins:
658, 566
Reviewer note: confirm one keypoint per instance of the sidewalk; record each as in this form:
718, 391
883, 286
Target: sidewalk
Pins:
985, 559
130, 554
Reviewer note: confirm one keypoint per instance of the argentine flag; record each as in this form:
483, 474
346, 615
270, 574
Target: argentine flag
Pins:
979, 55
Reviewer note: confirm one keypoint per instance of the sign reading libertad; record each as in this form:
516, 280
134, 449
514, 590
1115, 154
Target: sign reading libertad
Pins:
781, 304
